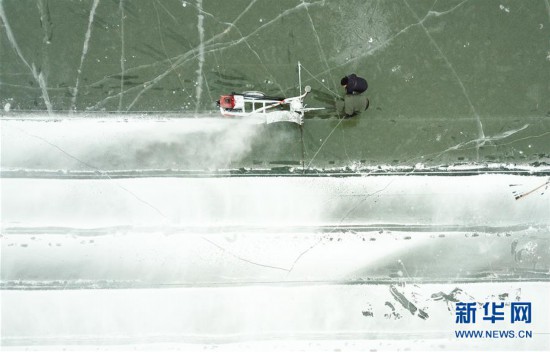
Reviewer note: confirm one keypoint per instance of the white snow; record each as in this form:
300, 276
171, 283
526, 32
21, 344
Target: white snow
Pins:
124, 142
485, 200
250, 263
309, 318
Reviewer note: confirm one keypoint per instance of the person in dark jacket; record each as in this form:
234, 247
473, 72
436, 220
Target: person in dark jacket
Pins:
354, 84
354, 101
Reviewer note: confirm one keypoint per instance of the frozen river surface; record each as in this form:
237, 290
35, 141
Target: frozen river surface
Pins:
135, 217
106, 245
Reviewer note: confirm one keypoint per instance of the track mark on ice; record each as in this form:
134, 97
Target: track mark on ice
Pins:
84, 52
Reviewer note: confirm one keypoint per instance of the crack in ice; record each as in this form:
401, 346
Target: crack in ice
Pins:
45, 20
525, 138
248, 45
200, 28
95, 169
38, 76
184, 58
481, 134
180, 60
261, 62
441, 13
46, 25
84, 52
324, 142
224, 250
321, 51
304, 253
461, 146
482, 141
232, 25
166, 10
281, 15
352, 209
503, 135
163, 45
388, 41
122, 56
